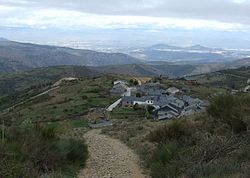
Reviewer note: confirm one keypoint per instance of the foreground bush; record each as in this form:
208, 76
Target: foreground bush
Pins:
230, 110
32, 151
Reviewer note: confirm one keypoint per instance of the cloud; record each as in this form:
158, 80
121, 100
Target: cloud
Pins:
225, 22
157, 14
233, 11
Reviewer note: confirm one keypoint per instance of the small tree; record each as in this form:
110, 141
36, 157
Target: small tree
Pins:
138, 95
136, 83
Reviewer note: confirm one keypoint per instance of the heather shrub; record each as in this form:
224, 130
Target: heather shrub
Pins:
229, 109
174, 130
38, 148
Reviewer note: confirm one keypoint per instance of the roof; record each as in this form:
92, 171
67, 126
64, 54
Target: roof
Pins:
173, 90
169, 108
178, 103
119, 88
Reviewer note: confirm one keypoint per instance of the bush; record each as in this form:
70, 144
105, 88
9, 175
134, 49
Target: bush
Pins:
84, 97
163, 162
172, 131
228, 109
40, 150
48, 131
72, 151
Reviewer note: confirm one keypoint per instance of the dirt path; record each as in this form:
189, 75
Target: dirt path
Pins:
109, 158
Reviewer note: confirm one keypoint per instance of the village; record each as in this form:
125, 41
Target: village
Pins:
160, 103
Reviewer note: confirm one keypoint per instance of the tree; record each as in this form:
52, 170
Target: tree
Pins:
138, 95
136, 82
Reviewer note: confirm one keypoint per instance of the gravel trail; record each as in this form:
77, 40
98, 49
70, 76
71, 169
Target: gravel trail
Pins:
109, 158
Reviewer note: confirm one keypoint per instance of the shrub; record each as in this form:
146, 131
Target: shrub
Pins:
228, 109
47, 132
172, 131
163, 162
39, 149
138, 95
72, 151
84, 97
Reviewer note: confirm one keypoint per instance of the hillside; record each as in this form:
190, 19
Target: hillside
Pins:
170, 70
242, 62
187, 146
16, 56
19, 81
229, 78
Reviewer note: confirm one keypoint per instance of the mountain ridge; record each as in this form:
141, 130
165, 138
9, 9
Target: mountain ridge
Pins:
15, 56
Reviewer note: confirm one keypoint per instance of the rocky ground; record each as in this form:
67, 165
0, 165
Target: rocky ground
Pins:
109, 158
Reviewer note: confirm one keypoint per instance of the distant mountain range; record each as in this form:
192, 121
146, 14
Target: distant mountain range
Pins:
16, 56
197, 54
156, 60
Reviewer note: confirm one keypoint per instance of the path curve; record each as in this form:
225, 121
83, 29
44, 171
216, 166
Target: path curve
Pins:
109, 158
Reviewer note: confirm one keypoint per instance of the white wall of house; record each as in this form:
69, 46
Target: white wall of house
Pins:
148, 102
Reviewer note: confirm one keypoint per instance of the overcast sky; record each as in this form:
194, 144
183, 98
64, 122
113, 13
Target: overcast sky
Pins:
151, 16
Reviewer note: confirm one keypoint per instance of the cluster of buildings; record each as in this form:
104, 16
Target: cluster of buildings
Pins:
166, 103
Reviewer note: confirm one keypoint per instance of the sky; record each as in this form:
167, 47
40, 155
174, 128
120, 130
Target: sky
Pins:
219, 23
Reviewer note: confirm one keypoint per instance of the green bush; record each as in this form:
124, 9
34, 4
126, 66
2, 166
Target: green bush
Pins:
229, 109
38, 149
174, 130
48, 131
72, 151
163, 162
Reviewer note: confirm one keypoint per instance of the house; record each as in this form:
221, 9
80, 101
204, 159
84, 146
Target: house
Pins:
130, 101
166, 112
118, 89
172, 90
178, 105
163, 100
151, 89
146, 100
